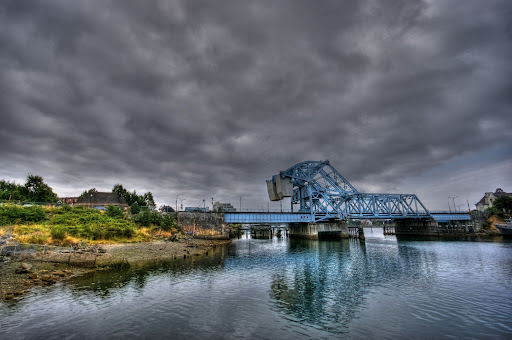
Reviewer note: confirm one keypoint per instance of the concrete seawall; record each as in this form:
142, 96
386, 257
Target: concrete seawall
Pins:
430, 227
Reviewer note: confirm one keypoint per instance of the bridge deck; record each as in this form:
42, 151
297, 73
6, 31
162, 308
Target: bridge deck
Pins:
289, 217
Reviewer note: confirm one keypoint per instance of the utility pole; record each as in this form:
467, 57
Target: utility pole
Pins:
178, 195
454, 207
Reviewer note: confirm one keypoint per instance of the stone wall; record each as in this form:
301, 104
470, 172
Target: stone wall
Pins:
203, 225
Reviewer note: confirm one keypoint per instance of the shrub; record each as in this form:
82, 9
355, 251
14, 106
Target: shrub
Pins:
114, 211
147, 218
58, 233
168, 223
13, 214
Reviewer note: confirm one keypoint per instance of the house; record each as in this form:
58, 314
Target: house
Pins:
166, 209
100, 200
223, 207
489, 198
69, 200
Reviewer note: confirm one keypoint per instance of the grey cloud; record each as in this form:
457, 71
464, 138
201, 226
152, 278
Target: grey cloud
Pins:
212, 98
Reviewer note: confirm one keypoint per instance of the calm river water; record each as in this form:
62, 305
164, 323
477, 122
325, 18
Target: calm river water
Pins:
286, 289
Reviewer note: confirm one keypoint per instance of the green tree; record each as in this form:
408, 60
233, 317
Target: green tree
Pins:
135, 208
12, 191
143, 201
502, 204
122, 192
88, 193
114, 211
38, 191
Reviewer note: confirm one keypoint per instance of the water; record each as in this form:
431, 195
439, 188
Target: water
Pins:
286, 289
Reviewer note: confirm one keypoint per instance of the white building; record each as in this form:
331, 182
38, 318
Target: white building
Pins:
489, 198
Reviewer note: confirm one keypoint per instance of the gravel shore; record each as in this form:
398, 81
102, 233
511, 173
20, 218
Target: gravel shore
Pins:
19, 273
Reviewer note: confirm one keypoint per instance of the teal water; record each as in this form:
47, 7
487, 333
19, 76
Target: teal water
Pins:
383, 288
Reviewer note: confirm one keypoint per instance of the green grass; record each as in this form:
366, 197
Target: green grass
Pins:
37, 224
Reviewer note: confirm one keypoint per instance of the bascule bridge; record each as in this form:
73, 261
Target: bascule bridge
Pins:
325, 200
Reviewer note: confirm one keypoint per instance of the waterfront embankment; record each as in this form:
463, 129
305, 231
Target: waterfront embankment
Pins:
24, 270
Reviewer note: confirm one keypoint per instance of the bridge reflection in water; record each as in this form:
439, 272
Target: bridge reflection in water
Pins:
286, 289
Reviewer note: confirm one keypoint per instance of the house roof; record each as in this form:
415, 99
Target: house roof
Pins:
102, 198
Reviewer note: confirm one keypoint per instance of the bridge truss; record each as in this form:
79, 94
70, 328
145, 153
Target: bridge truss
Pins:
323, 193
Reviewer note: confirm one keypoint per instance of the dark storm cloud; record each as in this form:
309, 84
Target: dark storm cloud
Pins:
211, 98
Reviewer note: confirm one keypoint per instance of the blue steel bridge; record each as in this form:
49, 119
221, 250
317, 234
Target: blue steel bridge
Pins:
323, 194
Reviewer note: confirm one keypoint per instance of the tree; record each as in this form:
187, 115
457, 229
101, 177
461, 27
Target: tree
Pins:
38, 191
88, 193
149, 200
502, 204
122, 192
143, 201
12, 191
135, 208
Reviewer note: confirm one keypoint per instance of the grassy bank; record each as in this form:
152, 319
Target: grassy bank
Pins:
80, 225
124, 239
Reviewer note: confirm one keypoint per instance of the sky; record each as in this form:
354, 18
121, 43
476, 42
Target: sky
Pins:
209, 99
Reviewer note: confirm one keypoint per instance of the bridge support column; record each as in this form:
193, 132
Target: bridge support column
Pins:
318, 231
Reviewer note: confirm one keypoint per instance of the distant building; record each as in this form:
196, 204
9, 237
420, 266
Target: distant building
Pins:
223, 207
69, 200
197, 209
489, 198
100, 200
166, 209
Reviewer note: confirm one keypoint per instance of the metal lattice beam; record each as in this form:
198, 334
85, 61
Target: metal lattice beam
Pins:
323, 193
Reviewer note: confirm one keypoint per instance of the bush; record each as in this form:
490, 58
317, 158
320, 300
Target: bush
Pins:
14, 214
168, 222
91, 224
147, 218
58, 233
114, 211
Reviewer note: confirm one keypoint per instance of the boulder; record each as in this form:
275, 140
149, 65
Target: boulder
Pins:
59, 273
48, 279
23, 268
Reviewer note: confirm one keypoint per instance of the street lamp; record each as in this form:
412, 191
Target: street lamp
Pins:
240, 203
454, 207
181, 202
178, 195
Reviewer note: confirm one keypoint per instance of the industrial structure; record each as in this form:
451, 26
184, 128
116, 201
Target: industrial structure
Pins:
322, 194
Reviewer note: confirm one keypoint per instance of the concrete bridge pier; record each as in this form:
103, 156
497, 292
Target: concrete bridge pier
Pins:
318, 231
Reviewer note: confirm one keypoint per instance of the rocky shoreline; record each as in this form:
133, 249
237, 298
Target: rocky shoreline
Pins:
22, 271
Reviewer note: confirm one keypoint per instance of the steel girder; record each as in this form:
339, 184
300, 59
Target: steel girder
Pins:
324, 193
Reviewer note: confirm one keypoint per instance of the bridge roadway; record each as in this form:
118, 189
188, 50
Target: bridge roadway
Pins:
289, 217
